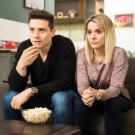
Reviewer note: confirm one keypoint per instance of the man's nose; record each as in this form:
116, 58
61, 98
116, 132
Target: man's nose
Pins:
36, 34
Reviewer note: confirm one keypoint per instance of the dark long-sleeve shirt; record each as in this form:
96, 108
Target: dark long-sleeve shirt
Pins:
56, 73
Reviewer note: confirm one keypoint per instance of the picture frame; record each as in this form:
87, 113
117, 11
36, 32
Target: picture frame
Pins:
124, 20
34, 4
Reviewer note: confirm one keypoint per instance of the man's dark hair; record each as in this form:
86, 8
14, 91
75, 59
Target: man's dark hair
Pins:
42, 14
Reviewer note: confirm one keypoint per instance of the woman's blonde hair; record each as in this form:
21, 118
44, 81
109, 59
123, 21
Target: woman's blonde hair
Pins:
104, 22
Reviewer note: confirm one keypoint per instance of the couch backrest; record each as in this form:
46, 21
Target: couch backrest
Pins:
130, 78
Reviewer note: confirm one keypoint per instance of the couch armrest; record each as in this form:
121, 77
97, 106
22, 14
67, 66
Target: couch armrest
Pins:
3, 88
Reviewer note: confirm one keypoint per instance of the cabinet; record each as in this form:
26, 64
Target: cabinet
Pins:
70, 11
6, 64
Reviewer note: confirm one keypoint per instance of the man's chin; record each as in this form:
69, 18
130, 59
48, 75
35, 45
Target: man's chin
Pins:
37, 45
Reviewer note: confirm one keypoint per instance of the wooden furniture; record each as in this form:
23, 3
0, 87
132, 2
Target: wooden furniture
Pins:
14, 127
70, 11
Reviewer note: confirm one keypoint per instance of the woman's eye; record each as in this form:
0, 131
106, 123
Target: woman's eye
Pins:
89, 32
99, 32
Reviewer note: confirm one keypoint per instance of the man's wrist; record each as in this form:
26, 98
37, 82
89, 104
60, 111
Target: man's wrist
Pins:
34, 90
21, 70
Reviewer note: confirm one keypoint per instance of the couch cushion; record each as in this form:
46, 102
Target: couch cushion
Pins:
131, 89
4, 87
130, 78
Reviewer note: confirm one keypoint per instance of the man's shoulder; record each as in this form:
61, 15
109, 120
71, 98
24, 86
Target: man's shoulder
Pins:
25, 44
62, 42
22, 46
61, 39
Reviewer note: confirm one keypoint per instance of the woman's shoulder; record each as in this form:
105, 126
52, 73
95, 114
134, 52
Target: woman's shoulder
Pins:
119, 51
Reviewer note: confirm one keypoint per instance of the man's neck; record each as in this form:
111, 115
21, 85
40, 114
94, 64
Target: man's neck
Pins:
44, 51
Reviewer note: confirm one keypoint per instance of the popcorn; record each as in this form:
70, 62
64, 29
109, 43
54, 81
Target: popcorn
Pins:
36, 115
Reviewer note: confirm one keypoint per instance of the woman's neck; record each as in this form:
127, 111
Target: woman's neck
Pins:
99, 55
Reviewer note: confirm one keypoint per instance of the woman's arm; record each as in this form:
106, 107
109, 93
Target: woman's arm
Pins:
82, 73
120, 66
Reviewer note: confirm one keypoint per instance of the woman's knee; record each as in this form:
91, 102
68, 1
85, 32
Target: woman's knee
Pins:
118, 104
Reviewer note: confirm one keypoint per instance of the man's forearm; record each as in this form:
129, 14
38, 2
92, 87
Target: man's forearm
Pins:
21, 69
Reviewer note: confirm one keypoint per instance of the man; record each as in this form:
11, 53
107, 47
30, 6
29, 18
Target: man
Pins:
49, 59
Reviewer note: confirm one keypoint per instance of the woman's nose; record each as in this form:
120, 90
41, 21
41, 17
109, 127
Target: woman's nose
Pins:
93, 35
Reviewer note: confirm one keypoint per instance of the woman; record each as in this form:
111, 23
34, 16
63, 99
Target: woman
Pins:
101, 71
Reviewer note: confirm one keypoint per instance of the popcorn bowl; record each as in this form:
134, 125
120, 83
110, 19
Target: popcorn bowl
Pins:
36, 115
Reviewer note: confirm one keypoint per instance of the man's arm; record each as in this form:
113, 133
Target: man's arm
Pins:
19, 74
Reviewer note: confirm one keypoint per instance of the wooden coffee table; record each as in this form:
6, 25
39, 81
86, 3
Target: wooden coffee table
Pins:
14, 127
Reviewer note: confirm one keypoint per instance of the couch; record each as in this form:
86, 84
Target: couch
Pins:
97, 120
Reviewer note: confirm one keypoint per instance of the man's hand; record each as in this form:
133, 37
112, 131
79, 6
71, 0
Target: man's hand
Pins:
21, 98
28, 56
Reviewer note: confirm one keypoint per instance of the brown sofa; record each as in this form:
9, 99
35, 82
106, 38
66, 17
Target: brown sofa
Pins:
97, 120
3, 88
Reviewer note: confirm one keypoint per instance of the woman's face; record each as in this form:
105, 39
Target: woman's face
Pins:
95, 36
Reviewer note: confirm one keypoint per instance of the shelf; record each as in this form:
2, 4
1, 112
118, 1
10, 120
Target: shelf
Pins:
67, 11
8, 50
68, 20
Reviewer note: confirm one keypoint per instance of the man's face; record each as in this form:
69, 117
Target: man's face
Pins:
40, 33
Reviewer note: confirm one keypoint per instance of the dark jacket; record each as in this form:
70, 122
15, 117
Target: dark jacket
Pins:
55, 74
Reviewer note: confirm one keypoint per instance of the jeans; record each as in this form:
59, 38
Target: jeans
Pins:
62, 103
112, 109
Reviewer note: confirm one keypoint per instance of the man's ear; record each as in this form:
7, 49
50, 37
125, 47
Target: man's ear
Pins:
53, 31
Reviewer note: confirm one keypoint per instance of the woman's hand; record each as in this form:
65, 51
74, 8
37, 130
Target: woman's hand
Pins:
88, 96
98, 94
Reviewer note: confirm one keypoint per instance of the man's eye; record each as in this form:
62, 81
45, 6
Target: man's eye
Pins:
31, 29
42, 30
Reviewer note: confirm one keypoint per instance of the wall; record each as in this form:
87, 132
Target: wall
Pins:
12, 30
13, 20
13, 10
76, 31
125, 36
